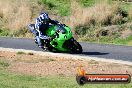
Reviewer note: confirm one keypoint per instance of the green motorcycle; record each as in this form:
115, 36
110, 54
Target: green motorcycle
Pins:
62, 39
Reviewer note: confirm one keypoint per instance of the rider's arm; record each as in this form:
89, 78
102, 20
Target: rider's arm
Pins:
37, 23
53, 21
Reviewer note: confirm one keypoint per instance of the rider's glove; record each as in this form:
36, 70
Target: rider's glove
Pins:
43, 37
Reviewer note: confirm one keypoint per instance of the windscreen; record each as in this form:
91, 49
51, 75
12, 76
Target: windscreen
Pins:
60, 28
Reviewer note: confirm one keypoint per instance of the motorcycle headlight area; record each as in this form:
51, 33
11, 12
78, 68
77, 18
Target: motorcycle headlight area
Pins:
61, 30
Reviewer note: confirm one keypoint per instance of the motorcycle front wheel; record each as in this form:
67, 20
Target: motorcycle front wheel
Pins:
76, 48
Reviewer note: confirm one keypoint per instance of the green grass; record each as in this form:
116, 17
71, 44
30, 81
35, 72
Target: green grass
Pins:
16, 80
4, 32
4, 63
109, 40
126, 41
118, 41
13, 80
62, 7
87, 3
126, 6
58, 6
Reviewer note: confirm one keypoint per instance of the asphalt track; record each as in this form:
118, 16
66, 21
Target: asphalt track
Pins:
123, 53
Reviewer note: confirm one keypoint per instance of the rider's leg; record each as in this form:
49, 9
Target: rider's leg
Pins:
39, 42
42, 30
31, 27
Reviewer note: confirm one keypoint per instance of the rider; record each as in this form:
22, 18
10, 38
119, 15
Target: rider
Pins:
42, 23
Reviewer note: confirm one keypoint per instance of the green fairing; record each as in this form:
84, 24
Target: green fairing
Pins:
61, 39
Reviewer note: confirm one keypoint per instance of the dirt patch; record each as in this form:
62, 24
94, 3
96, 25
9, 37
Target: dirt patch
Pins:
48, 65
126, 33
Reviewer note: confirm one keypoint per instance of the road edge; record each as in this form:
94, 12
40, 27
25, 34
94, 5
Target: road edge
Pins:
75, 56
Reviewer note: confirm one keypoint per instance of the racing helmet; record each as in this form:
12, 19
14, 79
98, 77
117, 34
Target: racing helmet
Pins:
44, 18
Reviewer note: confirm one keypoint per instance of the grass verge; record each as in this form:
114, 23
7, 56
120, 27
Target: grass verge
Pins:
3, 63
118, 41
12, 80
16, 80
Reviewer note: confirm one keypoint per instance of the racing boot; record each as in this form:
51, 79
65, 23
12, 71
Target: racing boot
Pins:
38, 40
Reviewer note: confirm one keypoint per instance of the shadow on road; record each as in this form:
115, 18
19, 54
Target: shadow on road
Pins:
85, 53
94, 53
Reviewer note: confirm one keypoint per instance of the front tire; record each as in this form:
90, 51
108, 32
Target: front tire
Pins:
76, 47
